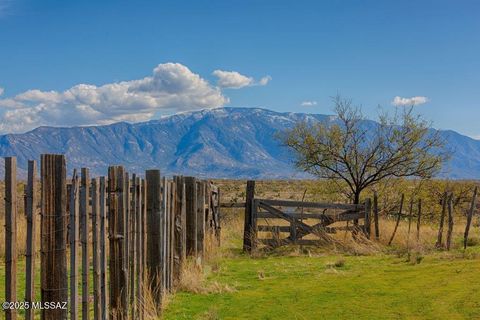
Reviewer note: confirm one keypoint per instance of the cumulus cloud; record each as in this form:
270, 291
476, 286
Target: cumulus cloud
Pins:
172, 87
412, 101
236, 80
308, 103
1, 91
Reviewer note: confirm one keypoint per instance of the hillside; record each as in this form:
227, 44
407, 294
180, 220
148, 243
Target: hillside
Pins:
220, 143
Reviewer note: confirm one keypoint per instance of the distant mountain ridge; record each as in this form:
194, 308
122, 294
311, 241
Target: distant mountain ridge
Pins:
216, 143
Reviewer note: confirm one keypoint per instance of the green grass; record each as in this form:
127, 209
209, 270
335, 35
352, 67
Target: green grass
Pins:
366, 287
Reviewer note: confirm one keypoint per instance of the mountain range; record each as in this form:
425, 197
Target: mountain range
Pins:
216, 143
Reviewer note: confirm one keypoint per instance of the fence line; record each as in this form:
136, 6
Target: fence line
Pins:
144, 221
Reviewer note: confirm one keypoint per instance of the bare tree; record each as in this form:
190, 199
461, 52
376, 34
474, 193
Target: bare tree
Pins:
361, 153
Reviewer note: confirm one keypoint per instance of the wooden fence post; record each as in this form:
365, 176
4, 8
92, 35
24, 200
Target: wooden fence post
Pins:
469, 218
154, 242
163, 235
97, 301
126, 266
179, 230
74, 234
191, 215
54, 235
217, 215
171, 225
439, 244
368, 213
450, 221
419, 218
139, 248
31, 213
248, 225
398, 219
133, 246
144, 229
117, 215
10, 235
85, 228
103, 249
375, 216
200, 219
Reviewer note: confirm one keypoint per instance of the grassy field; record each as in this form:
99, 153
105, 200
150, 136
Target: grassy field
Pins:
359, 287
408, 280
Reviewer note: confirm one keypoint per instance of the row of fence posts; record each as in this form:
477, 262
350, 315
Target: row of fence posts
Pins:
445, 216
152, 225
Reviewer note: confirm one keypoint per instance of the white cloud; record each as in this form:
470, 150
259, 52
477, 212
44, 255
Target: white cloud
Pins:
236, 80
412, 101
171, 88
1, 91
263, 81
308, 103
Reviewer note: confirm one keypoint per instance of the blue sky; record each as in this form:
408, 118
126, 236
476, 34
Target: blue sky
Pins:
141, 59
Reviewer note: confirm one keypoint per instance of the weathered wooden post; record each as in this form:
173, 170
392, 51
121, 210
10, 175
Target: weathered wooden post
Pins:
144, 229
450, 221
139, 248
31, 213
368, 214
200, 219
133, 246
10, 235
248, 236
191, 215
419, 218
126, 248
164, 235
375, 216
398, 219
97, 301
439, 243
179, 230
103, 249
117, 215
74, 239
154, 228
171, 231
84, 229
54, 235
469, 218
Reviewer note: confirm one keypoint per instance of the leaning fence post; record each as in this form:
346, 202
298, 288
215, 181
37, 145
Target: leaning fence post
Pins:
398, 219
10, 235
248, 224
438, 244
31, 213
375, 216
469, 218
54, 235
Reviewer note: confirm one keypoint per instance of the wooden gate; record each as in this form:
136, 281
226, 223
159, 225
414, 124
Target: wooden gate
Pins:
280, 222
